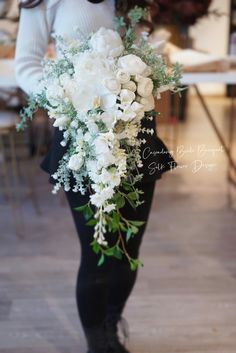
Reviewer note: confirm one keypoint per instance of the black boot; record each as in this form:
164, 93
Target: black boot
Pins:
97, 339
113, 321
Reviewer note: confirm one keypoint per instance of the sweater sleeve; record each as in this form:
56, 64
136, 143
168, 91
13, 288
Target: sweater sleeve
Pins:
32, 41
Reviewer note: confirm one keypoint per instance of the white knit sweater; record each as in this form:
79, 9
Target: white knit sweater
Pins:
53, 16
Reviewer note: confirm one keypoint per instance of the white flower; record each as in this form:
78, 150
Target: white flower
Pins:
105, 159
122, 76
128, 114
107, 42
145, 87
109, 119
54, 93
113, 85
110, 207
136, 107
130, 86
61, 121
148, 102
126, 96
108, 101
102, 142
75, 162
110, 177
98, 199
132, 64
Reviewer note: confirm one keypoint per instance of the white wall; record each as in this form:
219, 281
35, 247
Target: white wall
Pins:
210, 34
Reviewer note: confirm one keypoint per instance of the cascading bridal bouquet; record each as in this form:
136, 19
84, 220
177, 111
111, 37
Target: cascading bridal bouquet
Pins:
98, 90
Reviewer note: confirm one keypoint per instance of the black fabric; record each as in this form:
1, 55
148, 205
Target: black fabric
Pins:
155, 155
109, 285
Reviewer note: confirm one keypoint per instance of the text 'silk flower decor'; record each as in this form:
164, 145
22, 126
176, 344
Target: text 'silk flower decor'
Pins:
97, 91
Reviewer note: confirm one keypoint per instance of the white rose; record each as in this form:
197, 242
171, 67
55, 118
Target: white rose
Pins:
132, 64
130, 85
122, 76
107, 42
148, 102
75, 162
145, 87
112, 85
61, 121
126, 96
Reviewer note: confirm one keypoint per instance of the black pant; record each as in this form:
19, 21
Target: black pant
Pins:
98, 288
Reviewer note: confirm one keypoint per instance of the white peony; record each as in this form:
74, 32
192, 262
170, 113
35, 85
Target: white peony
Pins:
132, 64
75, 162
107, 42
145, 87
148, 102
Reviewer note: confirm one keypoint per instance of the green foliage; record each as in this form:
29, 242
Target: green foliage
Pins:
136, 15
26, 114
119, 22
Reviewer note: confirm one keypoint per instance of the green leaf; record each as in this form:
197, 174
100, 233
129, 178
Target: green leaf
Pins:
128, 234
136, 14
123, 227
109, 251
80, 208
91, 222
133, 265
132, 195
126, 187
95, 246
101, 260
134, 229
119, 23
137, 223
88, 213
117, 253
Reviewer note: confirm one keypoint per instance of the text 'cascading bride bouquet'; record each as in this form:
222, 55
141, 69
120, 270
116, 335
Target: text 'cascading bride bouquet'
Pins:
97, 91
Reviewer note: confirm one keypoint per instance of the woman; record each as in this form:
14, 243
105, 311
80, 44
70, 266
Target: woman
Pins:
101, 292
